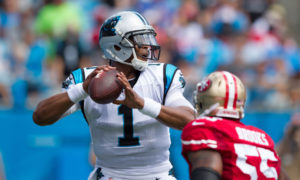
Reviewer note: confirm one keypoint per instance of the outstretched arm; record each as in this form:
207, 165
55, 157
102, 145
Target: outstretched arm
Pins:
53, 108
176, 117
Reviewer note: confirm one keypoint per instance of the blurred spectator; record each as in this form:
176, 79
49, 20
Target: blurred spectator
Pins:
228, 20
187, 32
10, 19
54, 22
43, 40
5, 80
100, 13
34, 66
255, 8
294, 90
226, 37
289, 148
2, 172
56, 17
70, 52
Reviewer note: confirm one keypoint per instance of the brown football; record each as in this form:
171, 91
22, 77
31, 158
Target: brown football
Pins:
105, 87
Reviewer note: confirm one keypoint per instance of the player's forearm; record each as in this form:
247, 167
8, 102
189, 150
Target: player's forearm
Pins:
51, 109
176, 117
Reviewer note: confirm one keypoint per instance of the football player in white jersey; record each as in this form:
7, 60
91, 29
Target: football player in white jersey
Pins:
130, 137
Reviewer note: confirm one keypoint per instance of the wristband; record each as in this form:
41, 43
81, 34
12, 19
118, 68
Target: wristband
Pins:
77, 93
151, 108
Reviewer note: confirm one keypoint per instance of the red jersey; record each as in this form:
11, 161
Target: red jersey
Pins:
247, 152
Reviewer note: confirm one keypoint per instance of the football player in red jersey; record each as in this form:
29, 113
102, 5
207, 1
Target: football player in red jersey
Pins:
217, 145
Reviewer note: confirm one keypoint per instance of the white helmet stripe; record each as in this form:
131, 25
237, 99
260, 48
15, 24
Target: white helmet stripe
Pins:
231, 91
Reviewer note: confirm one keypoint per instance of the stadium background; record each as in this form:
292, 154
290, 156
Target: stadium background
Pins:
42, 41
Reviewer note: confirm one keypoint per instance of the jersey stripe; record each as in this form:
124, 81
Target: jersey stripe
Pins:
208, 142
169, 73
231, 93
77, 75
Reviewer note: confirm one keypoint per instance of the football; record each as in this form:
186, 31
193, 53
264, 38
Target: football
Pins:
105, 87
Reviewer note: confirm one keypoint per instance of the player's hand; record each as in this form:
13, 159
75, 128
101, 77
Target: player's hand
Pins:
99, 69
132, 99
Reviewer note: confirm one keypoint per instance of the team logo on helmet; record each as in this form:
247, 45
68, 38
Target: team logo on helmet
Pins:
204, 85
108, 28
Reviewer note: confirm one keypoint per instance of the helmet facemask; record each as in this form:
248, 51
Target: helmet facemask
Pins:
145, 40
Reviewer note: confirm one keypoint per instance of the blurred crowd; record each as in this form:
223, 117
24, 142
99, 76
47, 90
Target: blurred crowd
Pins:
289, 148
42, 41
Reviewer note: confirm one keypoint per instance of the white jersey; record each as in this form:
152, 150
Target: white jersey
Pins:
124, 139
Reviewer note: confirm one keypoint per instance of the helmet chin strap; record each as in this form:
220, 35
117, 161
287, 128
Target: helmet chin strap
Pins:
136, 63
209, 110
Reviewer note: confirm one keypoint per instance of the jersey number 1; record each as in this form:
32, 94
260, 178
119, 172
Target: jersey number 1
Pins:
127, 139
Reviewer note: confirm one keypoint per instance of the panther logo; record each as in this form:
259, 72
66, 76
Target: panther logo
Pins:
108, 28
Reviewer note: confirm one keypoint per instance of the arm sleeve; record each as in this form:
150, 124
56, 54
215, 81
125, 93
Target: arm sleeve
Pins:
175, 96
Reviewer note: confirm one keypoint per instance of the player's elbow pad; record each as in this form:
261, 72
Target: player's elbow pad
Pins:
204, 173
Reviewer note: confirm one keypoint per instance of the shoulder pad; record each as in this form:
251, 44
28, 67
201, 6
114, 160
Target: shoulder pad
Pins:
78, 75
169, 71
